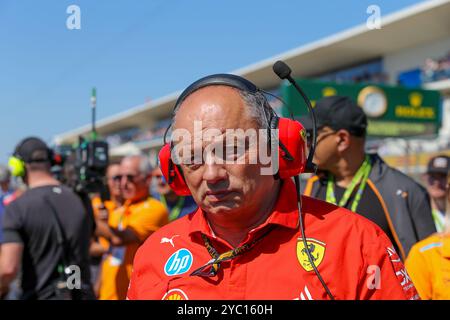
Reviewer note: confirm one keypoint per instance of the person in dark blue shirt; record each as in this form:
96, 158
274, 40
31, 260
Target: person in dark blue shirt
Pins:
177, 206
5, 191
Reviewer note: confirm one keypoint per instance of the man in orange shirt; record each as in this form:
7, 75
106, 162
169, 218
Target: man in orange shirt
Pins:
128, 226
244, 240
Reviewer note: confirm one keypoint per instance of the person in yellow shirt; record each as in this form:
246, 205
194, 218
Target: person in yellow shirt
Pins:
128, 226
428, 263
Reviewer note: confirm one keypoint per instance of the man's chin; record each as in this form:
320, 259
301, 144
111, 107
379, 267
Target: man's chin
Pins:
221, 208
128, 197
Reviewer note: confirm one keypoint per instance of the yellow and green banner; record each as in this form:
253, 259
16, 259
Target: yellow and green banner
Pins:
391, 110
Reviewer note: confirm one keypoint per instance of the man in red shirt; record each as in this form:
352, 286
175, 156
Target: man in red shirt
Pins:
244, 241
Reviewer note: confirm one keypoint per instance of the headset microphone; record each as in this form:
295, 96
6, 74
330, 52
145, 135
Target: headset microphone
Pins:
283, 71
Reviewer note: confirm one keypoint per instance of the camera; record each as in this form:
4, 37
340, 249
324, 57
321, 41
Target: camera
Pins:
91, 162
83, 168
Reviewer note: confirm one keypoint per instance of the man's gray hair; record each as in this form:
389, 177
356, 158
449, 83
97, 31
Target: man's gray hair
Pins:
145, 166
258, 109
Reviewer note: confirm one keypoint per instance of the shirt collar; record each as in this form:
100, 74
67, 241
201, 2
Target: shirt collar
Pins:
285, 212
137, 201
129, 205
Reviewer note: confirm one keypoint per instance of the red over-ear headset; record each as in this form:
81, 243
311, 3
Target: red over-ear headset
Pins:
292, 136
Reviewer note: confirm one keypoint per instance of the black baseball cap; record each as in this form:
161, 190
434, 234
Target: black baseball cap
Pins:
338, 112
439, 164
32, 149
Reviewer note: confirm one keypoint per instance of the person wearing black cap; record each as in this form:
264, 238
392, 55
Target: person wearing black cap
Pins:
46, 231
362, 182
435, 179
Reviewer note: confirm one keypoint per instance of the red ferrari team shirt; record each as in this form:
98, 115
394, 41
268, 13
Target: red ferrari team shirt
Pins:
353, 255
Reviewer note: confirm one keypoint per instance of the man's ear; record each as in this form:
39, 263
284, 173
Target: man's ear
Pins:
343, 140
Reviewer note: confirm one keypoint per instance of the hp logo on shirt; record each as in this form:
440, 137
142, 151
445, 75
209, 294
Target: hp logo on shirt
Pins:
178, 263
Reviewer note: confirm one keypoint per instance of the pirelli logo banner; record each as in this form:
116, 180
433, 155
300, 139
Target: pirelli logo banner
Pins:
391, 110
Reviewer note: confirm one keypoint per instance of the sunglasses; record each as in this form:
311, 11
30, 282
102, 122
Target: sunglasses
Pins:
119, 177
437, 177
321, 135
160, 177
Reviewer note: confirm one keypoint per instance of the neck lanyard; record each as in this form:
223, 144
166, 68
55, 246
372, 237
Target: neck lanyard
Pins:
175, 212
439, 220
217, 259
122, 216
360, 177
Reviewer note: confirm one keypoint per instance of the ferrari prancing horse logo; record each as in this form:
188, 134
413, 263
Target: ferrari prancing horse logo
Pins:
315, 247
304, 135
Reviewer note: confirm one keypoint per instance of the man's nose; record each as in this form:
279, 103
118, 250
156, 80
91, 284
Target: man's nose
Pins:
214, 173
123, 182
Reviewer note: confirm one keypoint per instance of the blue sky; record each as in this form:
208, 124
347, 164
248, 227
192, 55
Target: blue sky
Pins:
133, 51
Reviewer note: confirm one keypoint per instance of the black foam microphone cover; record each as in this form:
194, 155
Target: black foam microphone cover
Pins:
281, 69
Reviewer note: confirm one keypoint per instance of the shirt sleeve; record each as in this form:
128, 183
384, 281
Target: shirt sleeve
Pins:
384, 276
417, 267
12, 224
145, 282
132, 290
148, 220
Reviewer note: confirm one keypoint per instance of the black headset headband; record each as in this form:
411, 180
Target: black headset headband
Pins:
18, 150
225, 79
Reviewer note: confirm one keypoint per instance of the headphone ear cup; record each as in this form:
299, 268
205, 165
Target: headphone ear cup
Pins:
17, 166
56, 159
172, 173
293, 136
